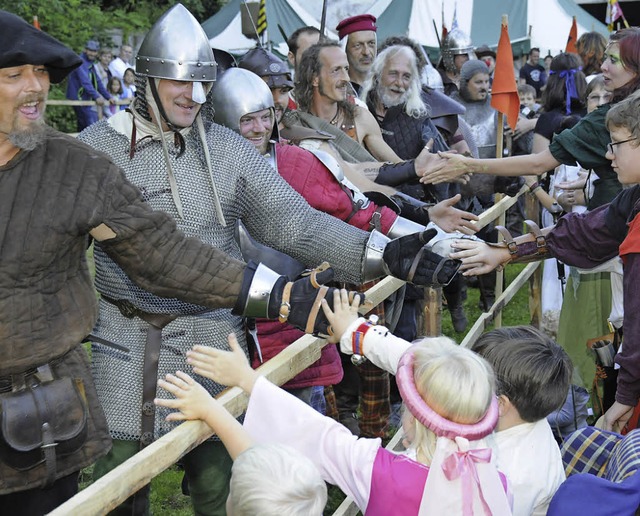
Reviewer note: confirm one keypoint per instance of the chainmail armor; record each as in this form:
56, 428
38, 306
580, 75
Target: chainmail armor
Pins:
281, 219
482, 120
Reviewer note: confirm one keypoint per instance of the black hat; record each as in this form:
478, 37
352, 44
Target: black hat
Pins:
268, 66
22, 44
485, 50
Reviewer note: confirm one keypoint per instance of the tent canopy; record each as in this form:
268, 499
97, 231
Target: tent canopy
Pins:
532, 23
224, 29
548, 20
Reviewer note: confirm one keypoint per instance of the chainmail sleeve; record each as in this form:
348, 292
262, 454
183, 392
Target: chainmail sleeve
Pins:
277, 216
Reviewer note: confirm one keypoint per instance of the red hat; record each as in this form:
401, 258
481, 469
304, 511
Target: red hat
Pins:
356, 24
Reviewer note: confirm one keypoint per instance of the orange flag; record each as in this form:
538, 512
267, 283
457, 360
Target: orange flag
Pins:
573, 37
504, 92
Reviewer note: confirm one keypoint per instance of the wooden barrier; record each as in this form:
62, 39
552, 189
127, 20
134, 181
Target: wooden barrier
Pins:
116, 486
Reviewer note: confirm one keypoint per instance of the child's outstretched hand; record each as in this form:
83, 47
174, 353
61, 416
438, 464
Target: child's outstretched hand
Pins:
343, 313
191, 398
225, 367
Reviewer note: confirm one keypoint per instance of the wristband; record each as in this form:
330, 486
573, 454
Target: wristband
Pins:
534, 186
357, 340
534, 190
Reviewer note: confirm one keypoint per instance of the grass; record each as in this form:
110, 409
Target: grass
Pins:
166, 494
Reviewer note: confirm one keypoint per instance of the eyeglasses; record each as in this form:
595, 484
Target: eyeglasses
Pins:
611, 146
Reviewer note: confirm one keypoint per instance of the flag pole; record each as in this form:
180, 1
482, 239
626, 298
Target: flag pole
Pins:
502, 218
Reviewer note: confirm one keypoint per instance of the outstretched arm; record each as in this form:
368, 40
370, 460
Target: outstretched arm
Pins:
529, 164
225, 367
357, 336
372, 139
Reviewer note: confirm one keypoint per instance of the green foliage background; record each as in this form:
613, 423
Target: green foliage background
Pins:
74, 22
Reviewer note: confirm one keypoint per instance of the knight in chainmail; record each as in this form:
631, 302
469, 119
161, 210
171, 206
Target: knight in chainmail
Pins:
207, 178
482, 120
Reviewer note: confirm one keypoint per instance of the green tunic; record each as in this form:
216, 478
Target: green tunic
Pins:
586, 309
586, 144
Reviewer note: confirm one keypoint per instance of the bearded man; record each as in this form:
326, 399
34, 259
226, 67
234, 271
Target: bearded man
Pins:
206, 177
323, 90
394, 95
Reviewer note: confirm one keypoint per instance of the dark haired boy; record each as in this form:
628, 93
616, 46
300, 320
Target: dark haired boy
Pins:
532, 380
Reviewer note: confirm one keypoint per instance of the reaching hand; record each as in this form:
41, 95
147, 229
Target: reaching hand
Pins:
451, 219
577, 184
477, 257
224, 367
455, 166
427, 162
616, 418
343, 313
410, 259
523, 126
191, 399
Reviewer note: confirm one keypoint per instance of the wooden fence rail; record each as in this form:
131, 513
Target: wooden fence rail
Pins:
116, 486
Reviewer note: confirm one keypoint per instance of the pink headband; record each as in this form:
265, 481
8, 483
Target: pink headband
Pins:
430, 418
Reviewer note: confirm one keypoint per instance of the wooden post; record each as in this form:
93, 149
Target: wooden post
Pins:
532, 212
432, 312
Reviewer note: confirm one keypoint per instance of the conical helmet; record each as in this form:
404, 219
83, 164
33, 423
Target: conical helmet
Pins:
177, 48
456, 43
236, 93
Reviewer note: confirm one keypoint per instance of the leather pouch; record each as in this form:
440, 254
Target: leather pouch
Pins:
42, 422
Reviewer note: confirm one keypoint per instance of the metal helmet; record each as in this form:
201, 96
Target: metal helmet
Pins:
456, 43
236, 93
273, 70
177, 48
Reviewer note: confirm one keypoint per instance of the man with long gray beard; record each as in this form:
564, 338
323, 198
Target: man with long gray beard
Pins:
58, 194
207, 178
394, 95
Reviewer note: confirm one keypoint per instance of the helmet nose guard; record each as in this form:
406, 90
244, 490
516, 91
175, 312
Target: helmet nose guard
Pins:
166, 53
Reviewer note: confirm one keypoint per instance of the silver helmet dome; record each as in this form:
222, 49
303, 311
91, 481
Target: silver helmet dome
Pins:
236, 93
177, 48
456, 43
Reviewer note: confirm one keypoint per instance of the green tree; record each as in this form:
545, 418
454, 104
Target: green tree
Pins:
74, 22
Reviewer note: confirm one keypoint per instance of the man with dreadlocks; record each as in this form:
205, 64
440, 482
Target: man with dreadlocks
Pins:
207, 178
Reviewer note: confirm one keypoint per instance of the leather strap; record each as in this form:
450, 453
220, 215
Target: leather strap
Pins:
315, 308
150, 372
414, 265
285, 306
48, 442
314, 274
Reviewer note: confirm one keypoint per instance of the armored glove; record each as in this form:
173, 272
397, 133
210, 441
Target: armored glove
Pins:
267, 294
410, 258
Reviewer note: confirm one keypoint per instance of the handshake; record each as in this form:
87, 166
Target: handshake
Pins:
298, 300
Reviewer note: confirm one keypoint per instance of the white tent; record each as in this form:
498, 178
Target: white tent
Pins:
547, 22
